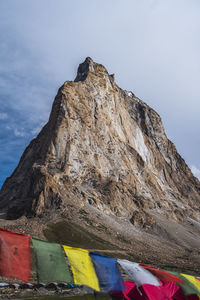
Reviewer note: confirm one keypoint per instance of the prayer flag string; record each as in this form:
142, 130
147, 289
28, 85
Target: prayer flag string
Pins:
61, 263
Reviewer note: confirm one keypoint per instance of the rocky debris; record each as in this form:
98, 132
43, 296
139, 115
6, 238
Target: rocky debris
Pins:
16, 291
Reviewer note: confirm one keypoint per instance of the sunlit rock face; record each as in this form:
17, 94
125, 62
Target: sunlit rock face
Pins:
105, 147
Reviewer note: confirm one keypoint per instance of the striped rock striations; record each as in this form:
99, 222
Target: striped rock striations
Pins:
102, 147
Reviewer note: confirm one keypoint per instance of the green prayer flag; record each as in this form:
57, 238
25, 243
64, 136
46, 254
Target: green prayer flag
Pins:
51, 262
187, 287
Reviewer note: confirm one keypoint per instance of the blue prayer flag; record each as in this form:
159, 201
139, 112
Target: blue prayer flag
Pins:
108, 273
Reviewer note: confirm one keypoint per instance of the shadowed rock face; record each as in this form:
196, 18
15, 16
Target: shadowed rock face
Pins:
104, 147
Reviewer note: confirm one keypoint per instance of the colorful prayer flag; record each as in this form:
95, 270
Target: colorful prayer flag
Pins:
129, 287
51, 262
150, 292
161, 274
82, 267
138, 274
14, 255
187, 287
193, 280
108, 273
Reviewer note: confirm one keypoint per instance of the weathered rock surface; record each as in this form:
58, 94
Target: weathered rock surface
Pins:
105, 149
104, 146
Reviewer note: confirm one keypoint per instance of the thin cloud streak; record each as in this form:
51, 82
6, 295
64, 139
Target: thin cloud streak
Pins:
195, 171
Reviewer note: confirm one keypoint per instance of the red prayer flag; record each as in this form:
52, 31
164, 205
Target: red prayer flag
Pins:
14, 255
167, 291
162, 275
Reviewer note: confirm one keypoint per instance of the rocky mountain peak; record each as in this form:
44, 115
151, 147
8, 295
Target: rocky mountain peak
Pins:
103, 148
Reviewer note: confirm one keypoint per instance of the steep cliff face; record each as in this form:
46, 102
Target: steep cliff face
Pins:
103, 147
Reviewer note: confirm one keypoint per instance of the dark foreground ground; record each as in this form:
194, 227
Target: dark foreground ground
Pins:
47, 294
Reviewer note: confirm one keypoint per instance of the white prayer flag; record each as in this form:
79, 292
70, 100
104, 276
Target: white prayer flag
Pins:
138, 274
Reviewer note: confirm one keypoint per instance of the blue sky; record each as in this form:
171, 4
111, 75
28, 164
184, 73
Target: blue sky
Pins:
152, 46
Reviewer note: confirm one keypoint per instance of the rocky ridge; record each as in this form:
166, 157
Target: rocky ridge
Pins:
104, 150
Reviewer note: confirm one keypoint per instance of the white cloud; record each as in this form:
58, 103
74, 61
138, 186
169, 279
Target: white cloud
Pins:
19, 133
195, 171
37, 129
3, 116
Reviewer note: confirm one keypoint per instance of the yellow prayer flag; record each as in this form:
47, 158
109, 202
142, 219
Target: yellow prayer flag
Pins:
82, 267
193, 280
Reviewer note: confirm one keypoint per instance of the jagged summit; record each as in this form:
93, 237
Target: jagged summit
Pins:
83, 69
89, 66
